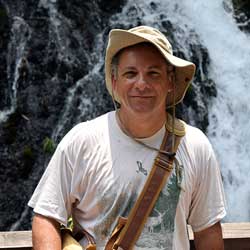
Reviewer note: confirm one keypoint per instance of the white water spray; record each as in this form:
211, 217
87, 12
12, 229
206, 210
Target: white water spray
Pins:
229, 50
60, 31
16, 52
85, 103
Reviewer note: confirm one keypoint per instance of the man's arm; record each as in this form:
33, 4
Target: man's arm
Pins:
45, 233
210, 238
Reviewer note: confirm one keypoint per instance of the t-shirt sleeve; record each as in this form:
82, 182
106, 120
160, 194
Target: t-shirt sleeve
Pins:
51, 197
208, 199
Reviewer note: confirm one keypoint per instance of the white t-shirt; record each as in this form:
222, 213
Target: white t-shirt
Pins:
97, 173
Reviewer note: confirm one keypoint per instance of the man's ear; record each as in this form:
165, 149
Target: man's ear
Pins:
171, 80
113, 82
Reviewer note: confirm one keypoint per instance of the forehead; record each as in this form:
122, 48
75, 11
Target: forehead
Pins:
144, 51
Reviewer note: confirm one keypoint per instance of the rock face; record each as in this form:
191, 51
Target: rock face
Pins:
241, 10
51, 77
44, 52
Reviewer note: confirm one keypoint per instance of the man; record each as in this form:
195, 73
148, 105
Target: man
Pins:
100, 166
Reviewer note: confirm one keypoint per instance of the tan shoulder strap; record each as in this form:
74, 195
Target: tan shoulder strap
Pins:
159, 175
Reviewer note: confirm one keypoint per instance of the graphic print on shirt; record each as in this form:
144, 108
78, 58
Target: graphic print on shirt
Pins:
158, 232
141, 168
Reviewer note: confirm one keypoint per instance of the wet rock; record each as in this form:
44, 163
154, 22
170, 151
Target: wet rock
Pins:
4, 37
241, 10
52, 59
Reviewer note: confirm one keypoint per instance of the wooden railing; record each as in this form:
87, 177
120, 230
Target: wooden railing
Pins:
236, 237
16, 240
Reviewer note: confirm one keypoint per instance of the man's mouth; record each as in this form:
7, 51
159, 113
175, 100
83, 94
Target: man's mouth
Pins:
140, 96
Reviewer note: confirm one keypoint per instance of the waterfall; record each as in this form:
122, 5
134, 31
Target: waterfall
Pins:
66, 83
77, 103
16, 60
84, 103
229, 113
60, 31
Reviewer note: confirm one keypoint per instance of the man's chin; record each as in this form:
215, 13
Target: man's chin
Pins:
141, 104
142, 109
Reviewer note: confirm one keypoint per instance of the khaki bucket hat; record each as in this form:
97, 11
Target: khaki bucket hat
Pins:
120, 39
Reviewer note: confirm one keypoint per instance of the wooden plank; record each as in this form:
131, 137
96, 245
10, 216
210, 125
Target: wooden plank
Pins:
16, 248
230, 231
15, 239
236, 230
236, 237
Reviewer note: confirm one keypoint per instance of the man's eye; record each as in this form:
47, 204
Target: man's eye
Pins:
154, 73
130, 74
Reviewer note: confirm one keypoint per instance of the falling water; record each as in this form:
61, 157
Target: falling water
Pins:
229, 49
60, 31
206, 23
16, 52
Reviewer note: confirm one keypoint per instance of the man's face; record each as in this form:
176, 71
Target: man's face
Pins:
142, 81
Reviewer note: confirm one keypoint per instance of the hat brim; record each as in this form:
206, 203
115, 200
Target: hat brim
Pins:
184, 70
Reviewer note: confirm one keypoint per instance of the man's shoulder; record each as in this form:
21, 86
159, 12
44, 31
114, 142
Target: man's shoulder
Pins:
197, 145
193, 130
196, 137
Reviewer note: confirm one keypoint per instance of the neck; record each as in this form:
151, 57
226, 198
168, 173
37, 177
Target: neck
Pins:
139, 125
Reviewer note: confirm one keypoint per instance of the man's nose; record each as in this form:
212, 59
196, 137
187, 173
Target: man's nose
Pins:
141, 82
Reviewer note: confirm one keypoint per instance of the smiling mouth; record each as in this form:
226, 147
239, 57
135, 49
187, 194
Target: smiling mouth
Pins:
142, 96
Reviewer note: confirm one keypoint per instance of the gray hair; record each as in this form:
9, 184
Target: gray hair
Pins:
116, 58
114, 64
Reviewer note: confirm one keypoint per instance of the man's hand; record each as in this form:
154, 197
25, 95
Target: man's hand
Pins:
210, 238
45, 233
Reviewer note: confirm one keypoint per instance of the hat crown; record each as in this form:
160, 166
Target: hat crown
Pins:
153, 35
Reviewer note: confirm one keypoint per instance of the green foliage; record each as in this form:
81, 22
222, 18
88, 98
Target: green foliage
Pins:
28, 153
3, 18
27, 161
48, 145
2, 13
